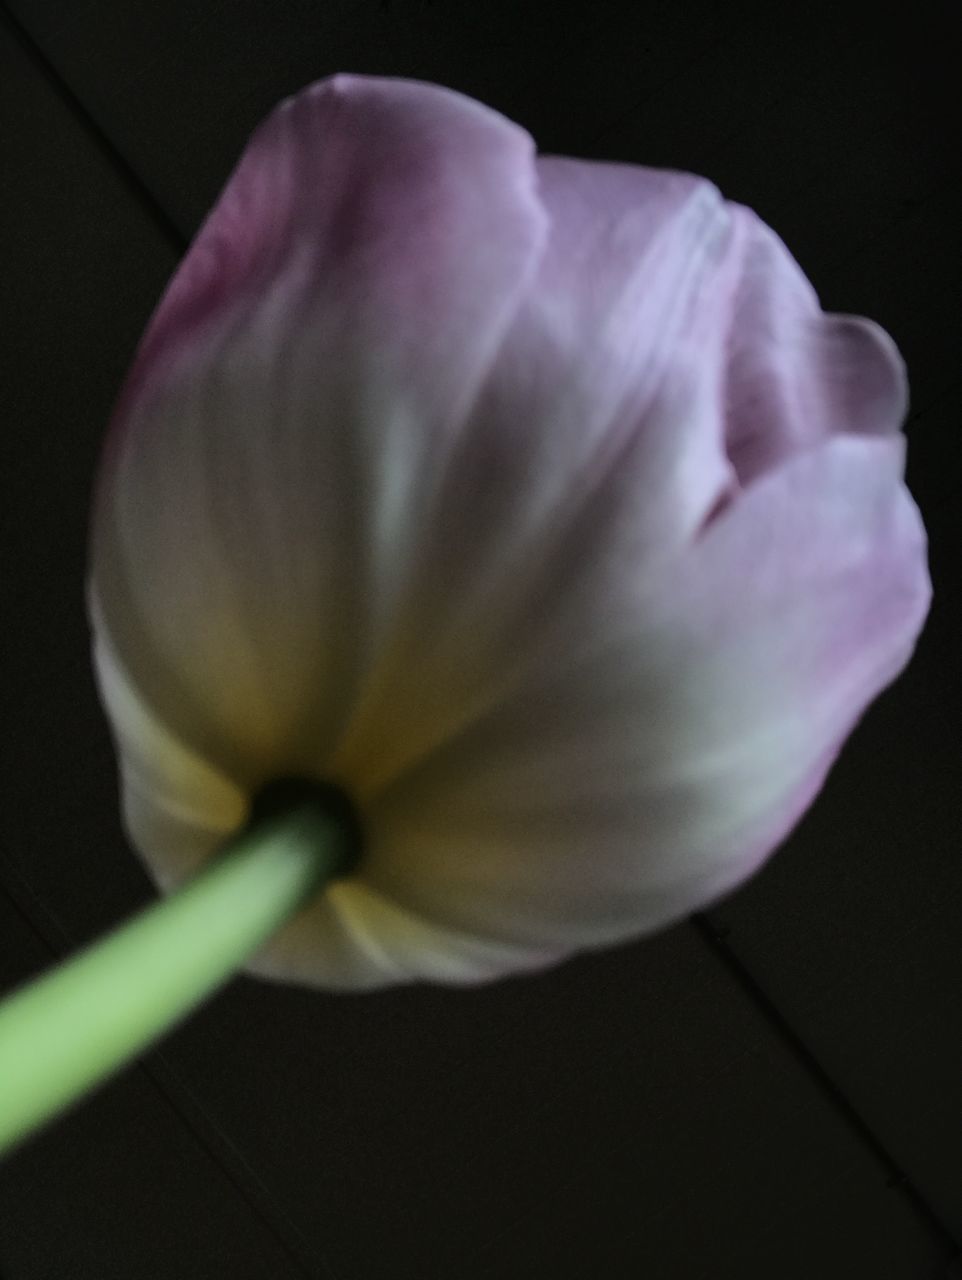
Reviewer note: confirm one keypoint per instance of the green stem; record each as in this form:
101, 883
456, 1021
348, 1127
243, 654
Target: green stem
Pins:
71, 1029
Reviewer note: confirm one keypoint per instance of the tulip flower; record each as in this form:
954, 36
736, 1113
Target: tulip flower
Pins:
532, 503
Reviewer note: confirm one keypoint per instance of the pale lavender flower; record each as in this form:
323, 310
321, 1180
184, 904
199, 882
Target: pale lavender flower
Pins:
534, 500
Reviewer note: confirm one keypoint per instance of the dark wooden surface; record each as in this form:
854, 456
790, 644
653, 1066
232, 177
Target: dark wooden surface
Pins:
773, 1089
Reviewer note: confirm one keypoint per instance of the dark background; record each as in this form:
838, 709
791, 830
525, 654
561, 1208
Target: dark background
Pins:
772, 1089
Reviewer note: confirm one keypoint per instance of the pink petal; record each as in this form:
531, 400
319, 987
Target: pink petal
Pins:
668, 352
796, 375
404, 213
293, 398
629, 785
